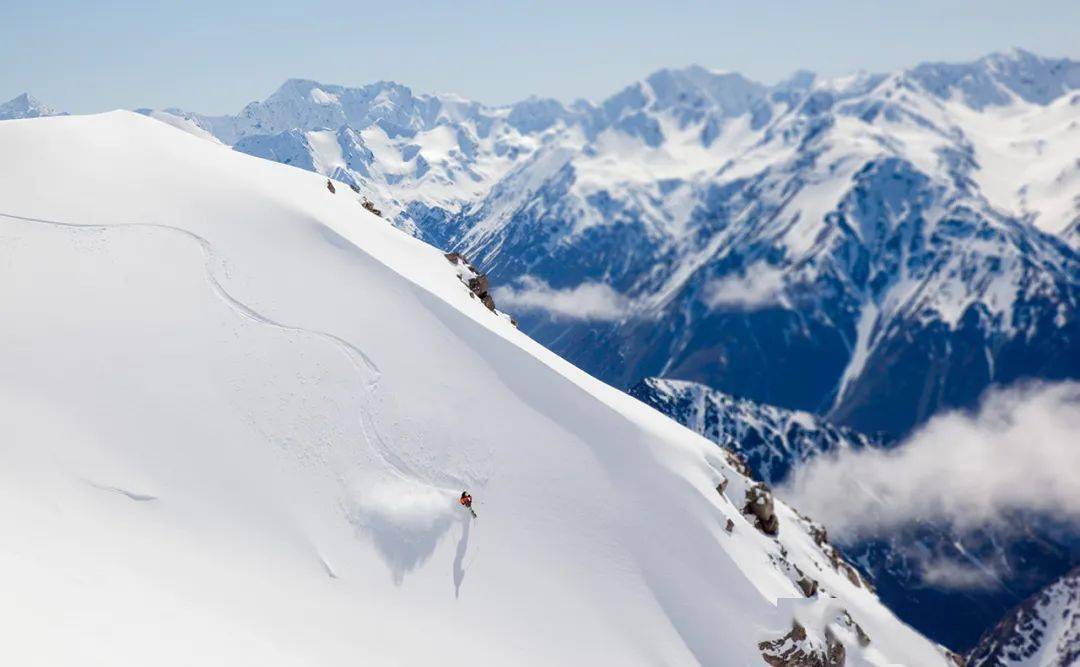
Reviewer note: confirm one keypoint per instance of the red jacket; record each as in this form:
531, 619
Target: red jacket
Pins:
466, 500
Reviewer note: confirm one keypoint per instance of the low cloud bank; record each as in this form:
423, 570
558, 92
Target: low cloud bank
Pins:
1018, 454
587, 301
758, 286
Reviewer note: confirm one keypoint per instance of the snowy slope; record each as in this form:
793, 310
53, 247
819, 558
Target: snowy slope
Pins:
237, 411
1044, 631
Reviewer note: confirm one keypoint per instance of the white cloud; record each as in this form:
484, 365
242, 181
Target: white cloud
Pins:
1019, 453
944, 573
758, 286
587, 301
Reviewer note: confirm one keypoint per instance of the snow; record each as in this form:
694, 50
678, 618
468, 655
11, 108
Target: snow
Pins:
237, 412
1027, 154
320, 96
864, 339
325, 151
181, 123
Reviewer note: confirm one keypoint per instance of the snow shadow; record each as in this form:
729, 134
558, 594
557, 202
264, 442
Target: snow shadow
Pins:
405, 520
459, 557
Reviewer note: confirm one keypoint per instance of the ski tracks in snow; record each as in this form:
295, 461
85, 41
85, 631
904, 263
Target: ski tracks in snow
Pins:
394, 463
360, 360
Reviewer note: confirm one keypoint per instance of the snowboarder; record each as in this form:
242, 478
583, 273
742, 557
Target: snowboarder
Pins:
466, 502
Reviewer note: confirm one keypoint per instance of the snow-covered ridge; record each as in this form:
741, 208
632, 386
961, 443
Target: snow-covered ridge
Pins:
771, 440
238, 409
1044, 631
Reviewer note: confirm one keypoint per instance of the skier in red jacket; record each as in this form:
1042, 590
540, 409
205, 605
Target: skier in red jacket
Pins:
466, 502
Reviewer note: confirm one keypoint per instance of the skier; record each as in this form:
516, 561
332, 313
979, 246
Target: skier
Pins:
466, 502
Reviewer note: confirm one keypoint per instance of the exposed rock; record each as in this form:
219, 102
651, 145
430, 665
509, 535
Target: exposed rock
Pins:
355, 187
797, 649
729, 526
369, 205
807, 585
759, 503
821, 538
722, 486
330, 186
477, 282
736, 460
848, 622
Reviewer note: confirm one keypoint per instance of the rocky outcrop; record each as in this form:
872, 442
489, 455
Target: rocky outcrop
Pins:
476, 281
759, 504
369, 205
821, 538
798, 649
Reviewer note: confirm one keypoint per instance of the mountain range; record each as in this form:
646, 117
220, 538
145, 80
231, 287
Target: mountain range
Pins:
824, 263
872, 248
239, 409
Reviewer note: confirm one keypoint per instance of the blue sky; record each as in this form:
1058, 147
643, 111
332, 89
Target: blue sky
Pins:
216, 56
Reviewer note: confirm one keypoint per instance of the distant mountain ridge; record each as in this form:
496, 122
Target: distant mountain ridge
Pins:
26, 106
868, 235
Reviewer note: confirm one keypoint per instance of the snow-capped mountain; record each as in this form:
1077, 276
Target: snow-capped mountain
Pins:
772, 441
238, 411
895, 242
1044, 631
25, 106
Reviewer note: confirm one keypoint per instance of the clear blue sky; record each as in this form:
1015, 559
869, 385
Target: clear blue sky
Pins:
216, 56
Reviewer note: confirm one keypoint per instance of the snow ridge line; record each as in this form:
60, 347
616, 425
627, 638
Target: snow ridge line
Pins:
355, 354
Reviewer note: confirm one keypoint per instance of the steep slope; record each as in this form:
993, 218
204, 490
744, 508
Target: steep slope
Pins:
907, 565
238, 409
1044, 631
919, 226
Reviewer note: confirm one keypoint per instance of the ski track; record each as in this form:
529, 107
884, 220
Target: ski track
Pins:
360, 360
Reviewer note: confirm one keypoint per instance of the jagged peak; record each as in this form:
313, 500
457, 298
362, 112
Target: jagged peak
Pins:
26, 105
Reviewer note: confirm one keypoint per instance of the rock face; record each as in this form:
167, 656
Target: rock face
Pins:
1044, 630
796, 649
759, 504
477, 282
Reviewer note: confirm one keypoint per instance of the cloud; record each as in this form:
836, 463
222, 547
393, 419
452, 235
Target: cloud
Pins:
587, 301
1018, 454
759, 285
938, 572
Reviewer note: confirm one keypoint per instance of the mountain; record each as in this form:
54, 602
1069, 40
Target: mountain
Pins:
771, 440
868, 235
1044, 630
903, 565
25, 106
238, 410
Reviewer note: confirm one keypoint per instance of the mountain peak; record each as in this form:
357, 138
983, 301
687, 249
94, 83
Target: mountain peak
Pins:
999, 79
25, 106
